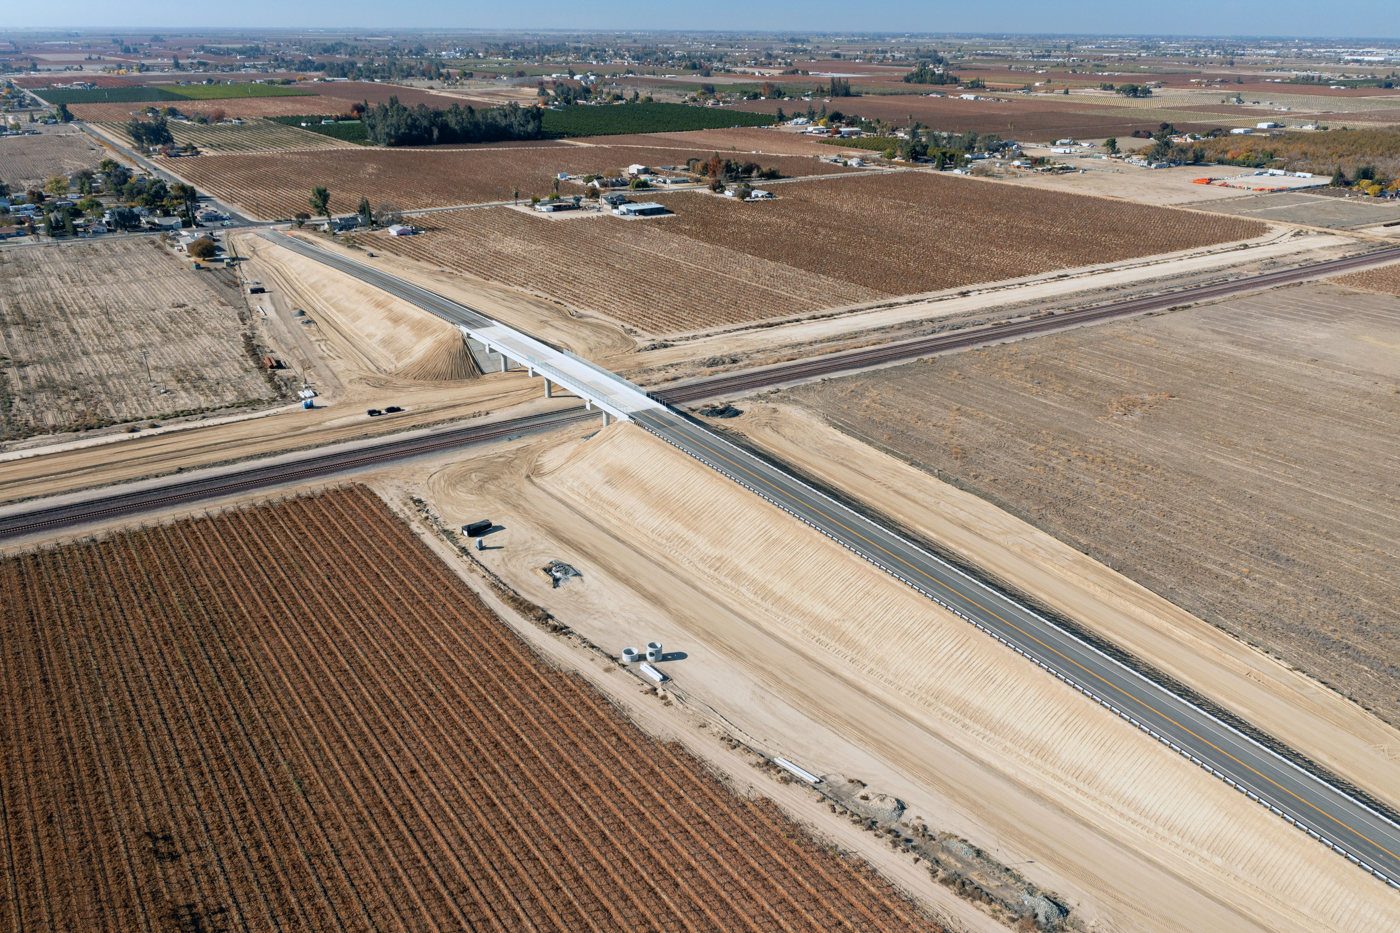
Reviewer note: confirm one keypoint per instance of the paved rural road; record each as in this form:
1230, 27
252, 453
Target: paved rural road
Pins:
105, 504
1316, 803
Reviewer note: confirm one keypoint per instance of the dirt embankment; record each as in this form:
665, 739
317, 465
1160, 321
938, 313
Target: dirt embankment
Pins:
1235, 459
777, 615
389, 336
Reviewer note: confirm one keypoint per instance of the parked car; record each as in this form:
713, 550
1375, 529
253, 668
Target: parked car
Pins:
374, 412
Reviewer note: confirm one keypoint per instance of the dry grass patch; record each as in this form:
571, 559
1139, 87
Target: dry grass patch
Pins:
76, 319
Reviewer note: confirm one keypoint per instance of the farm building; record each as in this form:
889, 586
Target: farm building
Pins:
401, 230
645, 209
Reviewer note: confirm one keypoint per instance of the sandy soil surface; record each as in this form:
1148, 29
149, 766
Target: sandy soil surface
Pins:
1234, 459
371, 331
1131, 835
29, 161
97, 333
1169, 186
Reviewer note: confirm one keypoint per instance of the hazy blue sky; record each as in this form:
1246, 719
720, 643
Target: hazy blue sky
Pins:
1179, 17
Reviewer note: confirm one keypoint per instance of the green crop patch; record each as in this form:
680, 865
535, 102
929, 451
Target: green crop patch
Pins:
351, 131
228, 91
624, 119
106, 95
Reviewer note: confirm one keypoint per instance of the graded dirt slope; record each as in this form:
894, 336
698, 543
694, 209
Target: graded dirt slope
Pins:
297, 717
77, 319
1236, 459
859, 651
387, 335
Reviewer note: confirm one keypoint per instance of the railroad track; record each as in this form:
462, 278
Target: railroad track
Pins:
715, 386
103, 506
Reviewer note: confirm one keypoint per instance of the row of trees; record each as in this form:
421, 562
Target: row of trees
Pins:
386, 214
146, 134
393, 124
926, 75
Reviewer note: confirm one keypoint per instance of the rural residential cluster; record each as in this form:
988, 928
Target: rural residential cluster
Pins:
649, 482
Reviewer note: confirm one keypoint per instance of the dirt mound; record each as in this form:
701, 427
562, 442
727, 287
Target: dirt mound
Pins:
445, 358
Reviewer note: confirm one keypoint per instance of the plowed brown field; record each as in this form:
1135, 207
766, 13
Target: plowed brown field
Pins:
276, 185
296, 718
718, 262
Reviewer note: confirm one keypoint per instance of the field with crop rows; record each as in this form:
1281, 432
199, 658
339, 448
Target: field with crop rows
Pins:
139, 93
244, 89
351, 131
257, 136
1380, 279
275, 186
76, 319
638, 272
913, 232
296, 717
26, 161
644, 118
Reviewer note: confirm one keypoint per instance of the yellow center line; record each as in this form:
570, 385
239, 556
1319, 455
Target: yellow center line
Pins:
1050, 648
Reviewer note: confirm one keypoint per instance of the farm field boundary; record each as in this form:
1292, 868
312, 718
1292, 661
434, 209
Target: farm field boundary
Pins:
298, 714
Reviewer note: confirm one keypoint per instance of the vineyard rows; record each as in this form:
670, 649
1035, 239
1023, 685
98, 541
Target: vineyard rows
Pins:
639, 273
259, 136
295, 717
937, 232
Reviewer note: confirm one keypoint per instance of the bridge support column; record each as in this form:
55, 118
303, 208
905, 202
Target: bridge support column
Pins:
505, 362
606, 420
548, 388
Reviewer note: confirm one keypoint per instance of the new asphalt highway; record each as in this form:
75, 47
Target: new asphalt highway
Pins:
1242, 755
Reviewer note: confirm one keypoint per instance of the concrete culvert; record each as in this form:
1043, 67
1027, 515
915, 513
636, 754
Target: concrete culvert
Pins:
654, 651
629, 655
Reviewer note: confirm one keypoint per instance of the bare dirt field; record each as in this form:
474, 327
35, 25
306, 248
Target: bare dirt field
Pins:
29, 161
77, 320
276, 185
773, 637
639, 273
256, 136
812, 248
1235, 459
1039, 120
1313, 210
296, 716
